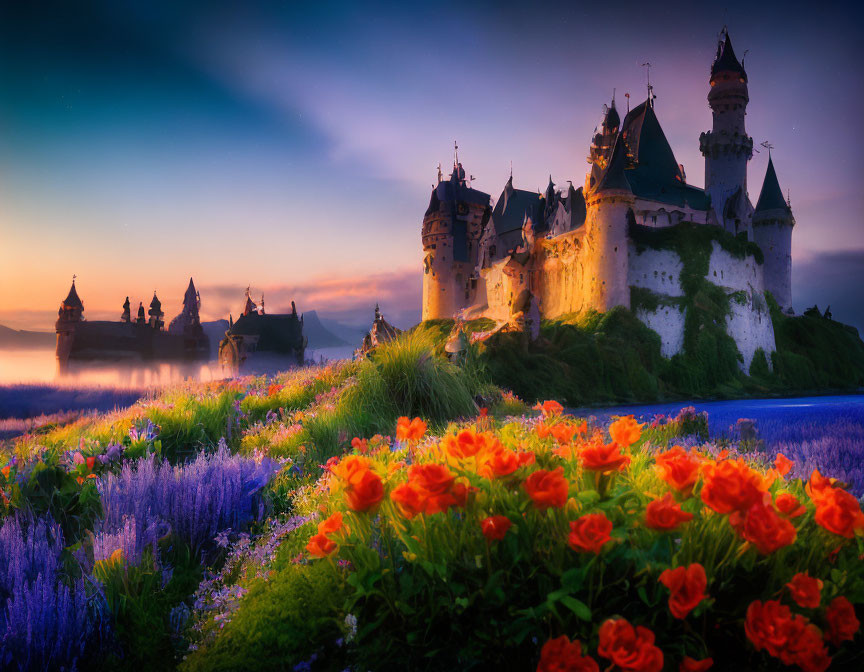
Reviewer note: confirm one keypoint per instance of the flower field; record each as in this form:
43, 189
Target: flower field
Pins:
396, 514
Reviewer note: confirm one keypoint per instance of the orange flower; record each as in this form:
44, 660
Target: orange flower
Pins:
273, 389
788, 505
360, 445
6, 471
543, 430
605, 458
625, 431
765, 529
665, 514
410, 430
631, 649
495, 527
91, 462
839, 512
466, 444
351, 469
805, 590
526, 457
547, 488
332, 525
563, 432
408, 500
678, 468
731, 486
841, 620
819, 486
501, 463
365, 494
687, 588
589, 533
549, 408
692, 665
320, 546
562, 655
783, 464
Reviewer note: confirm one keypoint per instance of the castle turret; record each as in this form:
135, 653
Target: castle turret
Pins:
604, 136
69, 315
156, 322
142, 318
772, 231
726, 147
452, 227
609, 204
127, 314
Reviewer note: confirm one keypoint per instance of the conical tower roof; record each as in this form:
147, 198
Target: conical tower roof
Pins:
771, 196
190, 297
613, 177
72, 300
726, 61
156, 304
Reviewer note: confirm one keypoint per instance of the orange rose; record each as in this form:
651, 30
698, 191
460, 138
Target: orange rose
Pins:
766, 530
560, 655
731, 486
839, 512
431, 479
563, 432
495, 527
625, 431
351, 469
805, 590
526, 457
331, 525
410, 430
631, 649
665, 514
501, 463
589, 533
791, 638
408, 500
788, 505
678, 468
818, 486
841, 620
464, 445
549, 408
547, 488
783, 464
320, 546
605, 458
692, 665
366, 493
686, 587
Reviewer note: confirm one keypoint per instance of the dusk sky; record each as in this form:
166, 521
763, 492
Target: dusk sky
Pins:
292, 146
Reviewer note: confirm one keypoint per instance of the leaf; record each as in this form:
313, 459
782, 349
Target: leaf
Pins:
579, 608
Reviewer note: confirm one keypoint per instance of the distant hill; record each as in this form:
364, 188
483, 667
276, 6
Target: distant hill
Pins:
12, 339
321, 333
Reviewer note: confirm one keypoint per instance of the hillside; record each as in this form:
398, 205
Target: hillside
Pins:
13, 339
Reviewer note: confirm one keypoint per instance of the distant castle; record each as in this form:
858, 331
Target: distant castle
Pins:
566, 252
142, 338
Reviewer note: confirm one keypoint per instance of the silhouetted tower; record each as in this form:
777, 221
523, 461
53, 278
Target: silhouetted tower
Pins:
772, 231
127, 312
69, 316
188, 322
726, 147
142, 317
250, 306
156, 315
452, 227
609, 204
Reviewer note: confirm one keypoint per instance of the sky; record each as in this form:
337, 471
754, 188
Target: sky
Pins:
292, 146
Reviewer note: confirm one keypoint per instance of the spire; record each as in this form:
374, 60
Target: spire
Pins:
72, 300
771, 196
613, 177
726, 61
611, 121
155, 304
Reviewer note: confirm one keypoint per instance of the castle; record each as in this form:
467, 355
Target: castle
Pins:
142, 338
562, 252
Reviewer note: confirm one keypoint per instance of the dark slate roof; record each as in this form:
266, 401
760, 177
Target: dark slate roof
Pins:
726, 60
656, 175
455, 190
72, 300
155, 303
612, 120
513, 205
613, 177
771, 196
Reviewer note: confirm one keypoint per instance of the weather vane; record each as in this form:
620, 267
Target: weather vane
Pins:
767, 145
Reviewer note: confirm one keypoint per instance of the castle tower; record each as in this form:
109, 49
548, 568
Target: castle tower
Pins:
772, 231
127, 314
726, 147
609, 202
142, 319
452, 227
156, 322
604, 136
69, 316
188, 322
